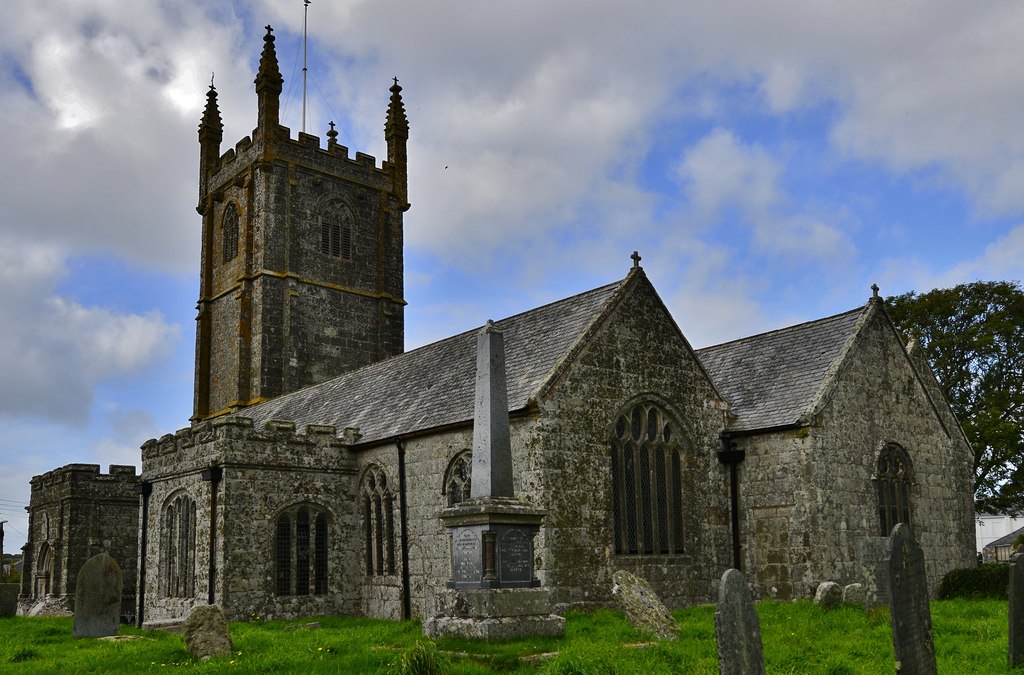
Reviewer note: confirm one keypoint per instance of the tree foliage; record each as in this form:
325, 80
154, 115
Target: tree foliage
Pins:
973, 335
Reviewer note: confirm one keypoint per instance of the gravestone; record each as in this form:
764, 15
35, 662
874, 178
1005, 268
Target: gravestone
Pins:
853, 594
829, 595
9, 599
1016, 646
98, 597
737, 628
642, 606
206, 633
910, 613
873, 571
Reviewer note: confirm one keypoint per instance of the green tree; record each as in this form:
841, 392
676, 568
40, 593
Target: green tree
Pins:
973, 335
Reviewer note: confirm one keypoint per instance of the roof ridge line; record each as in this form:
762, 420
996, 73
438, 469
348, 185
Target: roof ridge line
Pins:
782, 329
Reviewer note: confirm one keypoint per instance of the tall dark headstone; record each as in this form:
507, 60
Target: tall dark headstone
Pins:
910, 613
738, 628
98, 597
1016, 650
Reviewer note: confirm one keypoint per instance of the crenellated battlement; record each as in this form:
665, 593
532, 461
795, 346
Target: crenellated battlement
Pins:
236, 439
83, 473
84, 481
306, 149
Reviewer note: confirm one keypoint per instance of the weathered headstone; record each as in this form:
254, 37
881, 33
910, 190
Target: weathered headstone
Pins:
9, 599
910, 613
206, 633
642, 606
98, 597
829, 595
853, 594
737, 627
1016, 650
874, 571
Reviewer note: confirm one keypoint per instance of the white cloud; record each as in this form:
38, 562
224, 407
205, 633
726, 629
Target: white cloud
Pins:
725, 179
54, 350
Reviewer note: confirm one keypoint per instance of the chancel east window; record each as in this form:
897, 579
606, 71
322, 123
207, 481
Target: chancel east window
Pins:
229, 224
893, 481
378, 522
336, 231
457, 478
647, 495
300, 551
178, 547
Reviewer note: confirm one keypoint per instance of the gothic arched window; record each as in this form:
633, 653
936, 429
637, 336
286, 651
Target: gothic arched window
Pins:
378, 522
893, 480
647, 495
458, 477
300, 550
178, 547
336, 231
229, 224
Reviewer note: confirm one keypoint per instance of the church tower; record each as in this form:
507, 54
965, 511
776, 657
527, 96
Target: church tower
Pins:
301, 275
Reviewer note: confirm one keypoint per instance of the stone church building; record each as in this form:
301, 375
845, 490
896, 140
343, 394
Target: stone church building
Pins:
320, 454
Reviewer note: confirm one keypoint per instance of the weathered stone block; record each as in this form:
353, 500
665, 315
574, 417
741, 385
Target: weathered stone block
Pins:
829, 595
206, 633
642, 606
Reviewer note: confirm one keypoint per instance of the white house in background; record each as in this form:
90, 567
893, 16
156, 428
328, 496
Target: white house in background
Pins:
988, 528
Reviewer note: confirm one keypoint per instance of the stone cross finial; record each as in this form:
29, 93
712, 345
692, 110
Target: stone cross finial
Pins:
636, 259
492, 446
874, 290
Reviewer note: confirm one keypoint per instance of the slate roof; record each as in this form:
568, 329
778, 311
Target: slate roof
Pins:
434, 385
773, 378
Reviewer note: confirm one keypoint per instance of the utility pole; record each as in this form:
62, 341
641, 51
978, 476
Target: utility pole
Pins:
3, 574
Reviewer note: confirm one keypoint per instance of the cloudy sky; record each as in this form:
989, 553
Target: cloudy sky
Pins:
770, 161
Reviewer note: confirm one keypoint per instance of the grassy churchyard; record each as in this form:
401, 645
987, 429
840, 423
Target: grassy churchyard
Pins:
970, 637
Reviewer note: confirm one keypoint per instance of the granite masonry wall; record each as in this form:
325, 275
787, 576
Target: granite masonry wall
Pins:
263, 473
808, 495
283, 314
76, 512
637, 354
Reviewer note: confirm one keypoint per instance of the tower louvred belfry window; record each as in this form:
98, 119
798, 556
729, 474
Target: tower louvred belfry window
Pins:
894, 479
647, 482
230, 227
300, 550
336, 231
378, 522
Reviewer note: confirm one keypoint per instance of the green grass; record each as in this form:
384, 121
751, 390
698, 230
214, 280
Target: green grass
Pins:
970, 637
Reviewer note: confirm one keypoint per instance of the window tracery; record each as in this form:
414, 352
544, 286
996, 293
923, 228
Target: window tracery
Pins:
893, 480
378, 522
458, 478
647, 482
301, 547
178, 547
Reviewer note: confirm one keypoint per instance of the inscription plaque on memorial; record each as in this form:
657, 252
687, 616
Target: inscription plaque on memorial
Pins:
466, 563
515, 554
